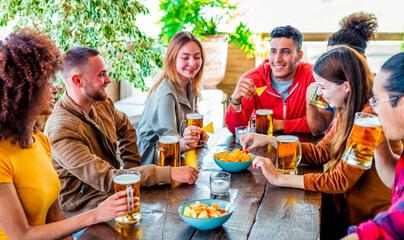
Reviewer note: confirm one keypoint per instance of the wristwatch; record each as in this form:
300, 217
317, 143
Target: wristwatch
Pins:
235, 104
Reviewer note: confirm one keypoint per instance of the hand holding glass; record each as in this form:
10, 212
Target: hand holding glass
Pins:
194, 119
129, 180
364, 136
318, 100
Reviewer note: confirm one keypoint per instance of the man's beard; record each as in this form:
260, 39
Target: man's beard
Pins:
95, 94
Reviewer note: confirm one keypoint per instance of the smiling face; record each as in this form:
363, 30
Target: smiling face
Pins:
332, 92
284, 59
96, 79
189, 61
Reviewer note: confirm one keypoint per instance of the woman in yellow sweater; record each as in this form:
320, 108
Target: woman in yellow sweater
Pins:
29, 185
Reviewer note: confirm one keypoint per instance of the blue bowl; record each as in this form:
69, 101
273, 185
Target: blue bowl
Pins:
233, 166
207, 223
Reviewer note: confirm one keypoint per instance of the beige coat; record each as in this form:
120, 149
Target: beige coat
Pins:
84, 153
164, 112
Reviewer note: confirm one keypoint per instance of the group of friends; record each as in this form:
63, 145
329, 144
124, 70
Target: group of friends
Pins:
56, 183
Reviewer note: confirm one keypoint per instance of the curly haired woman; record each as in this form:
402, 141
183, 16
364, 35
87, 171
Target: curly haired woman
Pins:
29, 185
356, 30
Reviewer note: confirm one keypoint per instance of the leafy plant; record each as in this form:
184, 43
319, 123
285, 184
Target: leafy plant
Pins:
109, 26
193, 15
402, 46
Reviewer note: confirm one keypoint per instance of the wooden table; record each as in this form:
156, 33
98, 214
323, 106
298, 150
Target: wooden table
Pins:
261, 210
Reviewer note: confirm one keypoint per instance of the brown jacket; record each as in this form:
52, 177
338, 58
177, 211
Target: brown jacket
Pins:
362, 191
84, 153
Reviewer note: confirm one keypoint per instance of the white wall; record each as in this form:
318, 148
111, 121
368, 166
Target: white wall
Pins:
319, 15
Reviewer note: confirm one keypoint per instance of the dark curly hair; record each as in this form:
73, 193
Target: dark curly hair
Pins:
356, 30
28, 60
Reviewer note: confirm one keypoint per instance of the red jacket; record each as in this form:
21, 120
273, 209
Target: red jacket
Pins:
292, 110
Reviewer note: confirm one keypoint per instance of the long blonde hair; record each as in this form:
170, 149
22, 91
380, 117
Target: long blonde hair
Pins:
339, 65
169, 72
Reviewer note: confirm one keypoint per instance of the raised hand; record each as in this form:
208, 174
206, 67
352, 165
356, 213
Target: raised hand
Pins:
245, 88
309, 92
191, 136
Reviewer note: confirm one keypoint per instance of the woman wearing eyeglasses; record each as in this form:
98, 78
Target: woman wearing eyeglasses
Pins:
345, 82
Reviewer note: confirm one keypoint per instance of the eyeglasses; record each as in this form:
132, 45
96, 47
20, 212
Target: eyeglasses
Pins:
374, 102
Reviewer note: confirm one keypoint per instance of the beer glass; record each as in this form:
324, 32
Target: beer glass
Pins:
364, 136
168, 151
129, 180
251, 123
193, 119
289, 154
318, 100
263, 121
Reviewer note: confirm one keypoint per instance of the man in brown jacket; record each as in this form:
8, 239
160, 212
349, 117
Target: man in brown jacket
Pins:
84, 131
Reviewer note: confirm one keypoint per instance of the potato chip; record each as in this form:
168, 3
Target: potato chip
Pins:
260, 90
208, 128
200, 210
235, 156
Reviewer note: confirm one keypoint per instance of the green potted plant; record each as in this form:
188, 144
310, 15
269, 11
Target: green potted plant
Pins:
108, 26
202, 18
402, 46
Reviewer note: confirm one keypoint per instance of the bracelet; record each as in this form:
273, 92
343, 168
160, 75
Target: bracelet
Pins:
184, 146
235, 104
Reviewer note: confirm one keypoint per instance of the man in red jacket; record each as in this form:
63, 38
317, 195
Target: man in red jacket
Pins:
286, 79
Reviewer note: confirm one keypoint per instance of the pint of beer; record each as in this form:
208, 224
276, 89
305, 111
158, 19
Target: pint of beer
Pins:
168, 151
194, 119
129, 180
364, 136
289, 154
263, 121
318, 100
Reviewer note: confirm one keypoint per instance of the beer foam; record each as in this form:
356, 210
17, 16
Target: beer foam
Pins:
287, 138
194, 116
125, 179
169, 139
368, 122
264, 112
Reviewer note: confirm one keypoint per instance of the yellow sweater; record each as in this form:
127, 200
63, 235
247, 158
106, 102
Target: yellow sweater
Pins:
35, 180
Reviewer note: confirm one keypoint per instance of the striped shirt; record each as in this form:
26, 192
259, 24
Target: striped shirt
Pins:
388, 224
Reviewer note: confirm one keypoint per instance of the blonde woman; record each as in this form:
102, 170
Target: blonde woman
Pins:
173, 96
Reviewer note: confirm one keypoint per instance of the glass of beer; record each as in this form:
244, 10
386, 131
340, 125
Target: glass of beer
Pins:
194, 119
364, 136
129, 180
168, 151
289, 154
263, 121
318, 100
